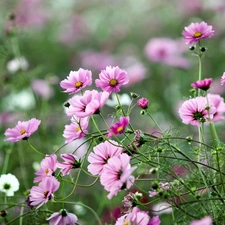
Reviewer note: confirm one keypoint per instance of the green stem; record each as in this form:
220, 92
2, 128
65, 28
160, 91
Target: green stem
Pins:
34, 148
154, 121
6, 160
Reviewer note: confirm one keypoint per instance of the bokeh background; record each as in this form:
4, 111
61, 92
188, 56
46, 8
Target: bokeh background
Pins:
41, 41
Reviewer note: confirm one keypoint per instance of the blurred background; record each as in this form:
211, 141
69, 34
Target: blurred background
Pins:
42, 41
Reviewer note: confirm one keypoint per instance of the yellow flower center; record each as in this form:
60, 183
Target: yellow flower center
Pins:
197, 34
46, 194
22, 131
78, 84
78, 129
47, 171
119, 129
113, 82
126, 222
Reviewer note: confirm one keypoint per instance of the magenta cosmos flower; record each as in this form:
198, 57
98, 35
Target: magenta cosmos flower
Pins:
44, 191
101, 154
193, 111
111, 79
196, 31
88, 104
116, 174
118, 127
222, 80
70, 162
204, 221
22, 131
136, 217
202, 84
62, 218
76, 81
77, 129
143, 103
48, 167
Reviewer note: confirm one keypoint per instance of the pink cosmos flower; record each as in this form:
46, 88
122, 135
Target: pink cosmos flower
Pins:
71, 162
22, 131
143, 103
116, 174
62, 218
88, 104
77, 129
42, 88
118, 127
101, 154
218, 102
76, 81
155, 221
193, 111
44, 191
136, 217
204, 221
111, 79
48, 167
196, 31
202, 84
222, 80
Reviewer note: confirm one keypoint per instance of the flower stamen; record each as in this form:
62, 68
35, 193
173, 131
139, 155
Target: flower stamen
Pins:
113, 82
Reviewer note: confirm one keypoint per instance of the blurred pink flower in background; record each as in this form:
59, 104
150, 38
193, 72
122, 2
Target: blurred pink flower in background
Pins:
42, 88
166, 50
204, 221
222, 80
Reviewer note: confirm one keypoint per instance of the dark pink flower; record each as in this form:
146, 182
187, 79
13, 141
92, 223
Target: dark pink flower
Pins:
22, 131
88, 104
101, 154
204, 221
71, 162
143, 103
222, 80
76, 81
42, 193
77, 129
202, 84
118, 127
62, 218
48, 167
155, 221
111, 79
116, 174
196, 31
194, 111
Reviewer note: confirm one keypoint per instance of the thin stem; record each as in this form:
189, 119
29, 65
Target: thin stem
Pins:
34, 148
154, 121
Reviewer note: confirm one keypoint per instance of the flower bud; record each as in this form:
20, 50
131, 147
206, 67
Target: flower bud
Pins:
143, 103
192, 48
142, 112
67, 104
134, 95
203, 49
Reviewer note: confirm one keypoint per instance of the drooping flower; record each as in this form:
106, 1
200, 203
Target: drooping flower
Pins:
9, 184
70, 162
118, 127
88, 104
62, 218
111, 79
196, 110
204, 221
143, 103
222, 80
22, 131
116, 174
48, 167
202, 84
77, 129
76, 81
42, 193
196, 31
218, 102
101, 154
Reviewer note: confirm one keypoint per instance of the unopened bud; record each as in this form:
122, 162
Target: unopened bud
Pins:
192, 48
134, 95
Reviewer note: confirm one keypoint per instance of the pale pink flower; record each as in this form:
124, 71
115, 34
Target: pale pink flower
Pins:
204, 221
88, 104
118, 127
143, 103
202, 84
136, 217
76, 81
111, 79
42, 88
76, 130
70, 162
102, 152
222, 80
48, 167
22, 131
116, 174
218, 102
62, 218
196, 31
194, 111
42, 193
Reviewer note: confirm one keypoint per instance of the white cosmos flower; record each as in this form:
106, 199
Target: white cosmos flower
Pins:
9, 184
17, 64
124, 100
